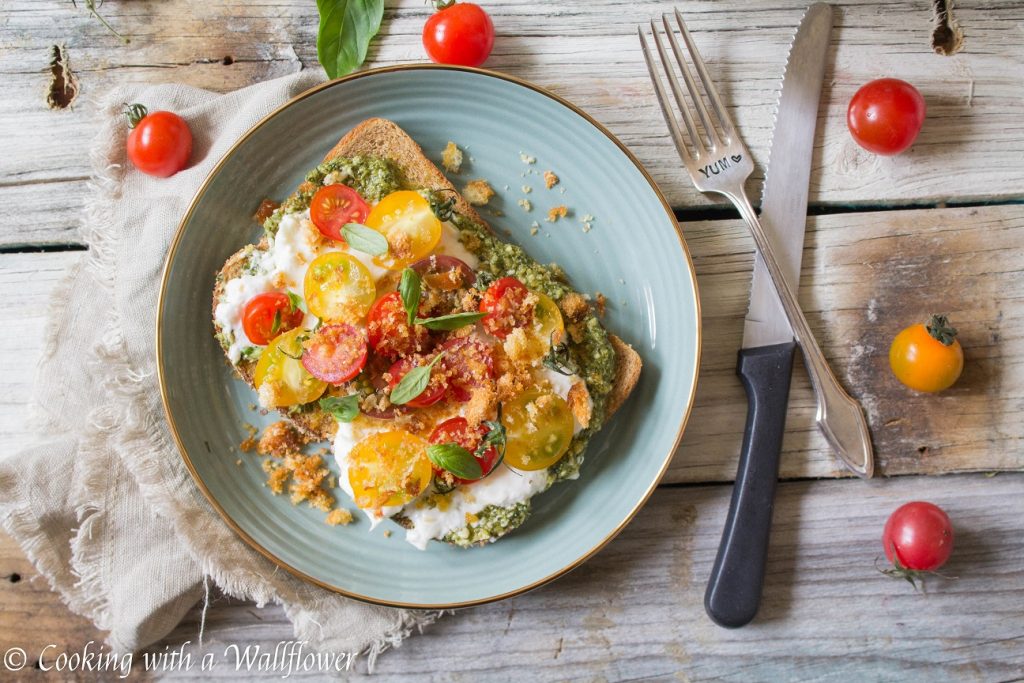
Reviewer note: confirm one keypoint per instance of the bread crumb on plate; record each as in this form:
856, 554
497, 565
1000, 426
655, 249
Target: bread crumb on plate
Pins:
451, 158
478, 192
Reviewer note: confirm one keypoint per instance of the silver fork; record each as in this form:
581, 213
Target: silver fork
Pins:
718, 161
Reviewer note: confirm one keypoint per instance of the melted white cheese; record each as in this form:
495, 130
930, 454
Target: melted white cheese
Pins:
451, 246
504, 487
561, 384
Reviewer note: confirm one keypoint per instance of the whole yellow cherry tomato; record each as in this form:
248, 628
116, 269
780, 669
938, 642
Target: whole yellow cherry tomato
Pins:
409, 225
927, 357
539, 429
388, 468
280, 378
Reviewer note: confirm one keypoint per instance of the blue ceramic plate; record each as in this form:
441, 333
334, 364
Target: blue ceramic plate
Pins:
634, 254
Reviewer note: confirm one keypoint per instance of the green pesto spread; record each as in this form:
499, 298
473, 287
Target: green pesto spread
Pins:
372, 177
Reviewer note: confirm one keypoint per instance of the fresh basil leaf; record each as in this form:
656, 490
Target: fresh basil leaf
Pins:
276, 325
344, 408
455, 459
496, 436
296, 302
558, 358
346, 29
452, 321
414, 382
364, 239
410, 289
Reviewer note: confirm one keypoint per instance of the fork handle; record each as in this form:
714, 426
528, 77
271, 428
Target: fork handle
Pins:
839, 416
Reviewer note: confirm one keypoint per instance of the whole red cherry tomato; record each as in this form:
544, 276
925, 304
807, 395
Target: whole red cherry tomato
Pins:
160, 143
459, 33
918, 538
885, 116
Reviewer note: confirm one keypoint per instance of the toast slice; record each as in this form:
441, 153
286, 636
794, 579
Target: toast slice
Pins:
382, 138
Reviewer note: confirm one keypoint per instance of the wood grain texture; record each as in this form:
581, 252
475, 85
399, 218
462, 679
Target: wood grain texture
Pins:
865, 277
970, 147
634, 612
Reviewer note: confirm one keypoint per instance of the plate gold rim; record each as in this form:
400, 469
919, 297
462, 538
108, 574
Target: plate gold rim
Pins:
163, 385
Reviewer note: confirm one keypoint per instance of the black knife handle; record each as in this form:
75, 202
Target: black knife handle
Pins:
734, 589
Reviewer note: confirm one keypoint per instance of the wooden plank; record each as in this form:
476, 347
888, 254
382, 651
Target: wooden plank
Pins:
865, 276
635, 611
587, 53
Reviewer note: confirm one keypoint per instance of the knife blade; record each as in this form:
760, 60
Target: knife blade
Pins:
766, 357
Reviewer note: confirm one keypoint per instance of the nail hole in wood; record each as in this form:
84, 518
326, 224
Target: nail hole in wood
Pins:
14, 578
63, 84
228, 60
947, 36
922, 450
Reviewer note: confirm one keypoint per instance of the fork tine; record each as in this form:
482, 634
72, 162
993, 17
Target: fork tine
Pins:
709, 86
698, 101
684, 108
663, 101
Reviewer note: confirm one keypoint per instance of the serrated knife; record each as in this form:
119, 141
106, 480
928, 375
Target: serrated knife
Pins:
766, 357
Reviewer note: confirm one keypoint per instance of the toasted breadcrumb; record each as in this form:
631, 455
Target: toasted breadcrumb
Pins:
451, 158
557, 212
579, 403
550, 179
249, 443
574, 306
526, 158
601, 302
527, 189
387, 533
525, 203
477, 192
339, 516
280, 439
534, 231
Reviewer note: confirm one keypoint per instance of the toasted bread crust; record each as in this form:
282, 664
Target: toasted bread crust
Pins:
380, 137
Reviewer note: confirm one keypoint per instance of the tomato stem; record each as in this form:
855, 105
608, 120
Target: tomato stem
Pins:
441, 4
135, 113
939, 328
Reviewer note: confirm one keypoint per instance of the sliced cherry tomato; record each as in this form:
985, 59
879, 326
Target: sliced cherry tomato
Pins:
539, 426
460, 33
335, 205
457, 431
886, 115
388, 468
409, 225
505, 305
390, 333
269, 314
927, 357
160, 143
468, 363
280, 377
335, 353
548, 326
444, 273
918, 536
338, 287
436, 388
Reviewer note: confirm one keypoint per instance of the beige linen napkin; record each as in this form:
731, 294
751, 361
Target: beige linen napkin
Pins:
103, 504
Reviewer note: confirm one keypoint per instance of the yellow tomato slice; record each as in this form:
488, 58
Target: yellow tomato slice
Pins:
338, 288
280, 377
547, 325
410, 226
388, 468
539, 426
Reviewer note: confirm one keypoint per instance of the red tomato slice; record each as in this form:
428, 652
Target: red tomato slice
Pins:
260, 312
468, 363
335, 353
444, 273
505, 303
457, 431
436, 388
335, 205
389, 330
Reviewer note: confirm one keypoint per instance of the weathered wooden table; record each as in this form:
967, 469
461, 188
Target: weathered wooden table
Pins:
940, 228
